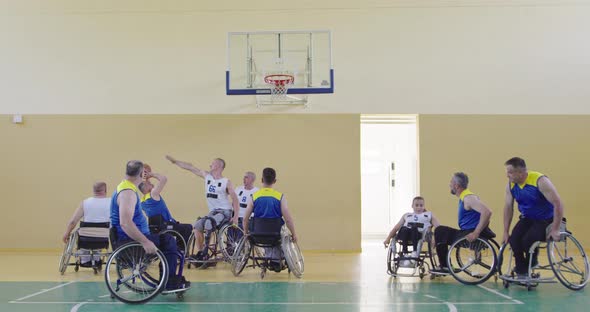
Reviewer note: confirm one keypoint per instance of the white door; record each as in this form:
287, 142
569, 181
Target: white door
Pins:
389, 171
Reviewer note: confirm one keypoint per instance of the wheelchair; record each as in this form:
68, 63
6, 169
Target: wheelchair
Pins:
132, 276
90, 239
415, 259
157, 225
265, 235
471, 263
566, 260
219, 244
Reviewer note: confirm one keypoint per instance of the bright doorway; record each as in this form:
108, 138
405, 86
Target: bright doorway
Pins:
389, 171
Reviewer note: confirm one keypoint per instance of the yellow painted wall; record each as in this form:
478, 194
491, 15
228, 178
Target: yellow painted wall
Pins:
49, 163
478, 145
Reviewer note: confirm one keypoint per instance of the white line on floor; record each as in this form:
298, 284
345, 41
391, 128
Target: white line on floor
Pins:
500, 294
44, 291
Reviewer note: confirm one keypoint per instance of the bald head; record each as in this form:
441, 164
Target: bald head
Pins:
99, 188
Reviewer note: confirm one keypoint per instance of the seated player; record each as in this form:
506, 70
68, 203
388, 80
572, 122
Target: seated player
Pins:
269, 203
153, 204
412, 226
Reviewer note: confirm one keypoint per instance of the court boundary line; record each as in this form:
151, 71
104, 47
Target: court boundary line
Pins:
44, 291
500, 294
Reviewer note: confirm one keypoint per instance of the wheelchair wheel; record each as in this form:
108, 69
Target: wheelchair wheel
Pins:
472, 263
431, 251
181, 244
190, 248
392, 263
132, 276
568, 261
68, 251
228, 239
240, 256
504, 265
293, 255
210, 246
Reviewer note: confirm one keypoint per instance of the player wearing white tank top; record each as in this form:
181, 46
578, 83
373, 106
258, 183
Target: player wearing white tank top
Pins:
404, 228
217, 191
244, 192
93, 209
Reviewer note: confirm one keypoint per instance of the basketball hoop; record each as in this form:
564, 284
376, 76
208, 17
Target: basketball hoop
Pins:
279, 85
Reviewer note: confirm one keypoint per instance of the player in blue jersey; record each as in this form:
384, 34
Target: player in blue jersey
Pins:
131, 225
474, 218
153, 204
539, 205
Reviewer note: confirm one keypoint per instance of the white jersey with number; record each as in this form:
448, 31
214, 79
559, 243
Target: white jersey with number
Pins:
216, 193
424, 218
97, 210
243, 195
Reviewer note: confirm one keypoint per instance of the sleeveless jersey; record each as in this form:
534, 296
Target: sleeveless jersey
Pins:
138, 218
424, 219
468, 219
243, 195
216, 193
267, 203
532, 203
97, 209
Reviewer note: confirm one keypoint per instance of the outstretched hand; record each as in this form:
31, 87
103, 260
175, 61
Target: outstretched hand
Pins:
171, 159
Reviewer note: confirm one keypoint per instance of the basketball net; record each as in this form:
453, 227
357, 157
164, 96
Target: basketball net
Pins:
279, 85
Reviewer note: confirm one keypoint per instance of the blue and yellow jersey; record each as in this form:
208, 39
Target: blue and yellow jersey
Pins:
267, 203
153, 207
532, 204
468, 219
138, 217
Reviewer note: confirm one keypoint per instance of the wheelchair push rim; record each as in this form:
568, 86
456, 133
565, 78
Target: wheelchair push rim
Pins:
293, 256
132, 276
229, 238
241, 256
67, 254
472, 263
568, 261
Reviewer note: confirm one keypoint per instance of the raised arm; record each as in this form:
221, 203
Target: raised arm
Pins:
187, 166
127, 200
234, 201
162, 180
78, 214
288, 219
473, 202
549, 191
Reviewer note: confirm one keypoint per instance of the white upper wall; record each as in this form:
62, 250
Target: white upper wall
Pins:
390, 56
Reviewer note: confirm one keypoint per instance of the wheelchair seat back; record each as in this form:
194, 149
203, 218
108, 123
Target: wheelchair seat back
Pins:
488, 233
93, 235
157, 224
113, 236
266, 231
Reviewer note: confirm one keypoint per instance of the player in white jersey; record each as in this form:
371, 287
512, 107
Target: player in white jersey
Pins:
218, 190
412, 225
94, 209
243, 192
